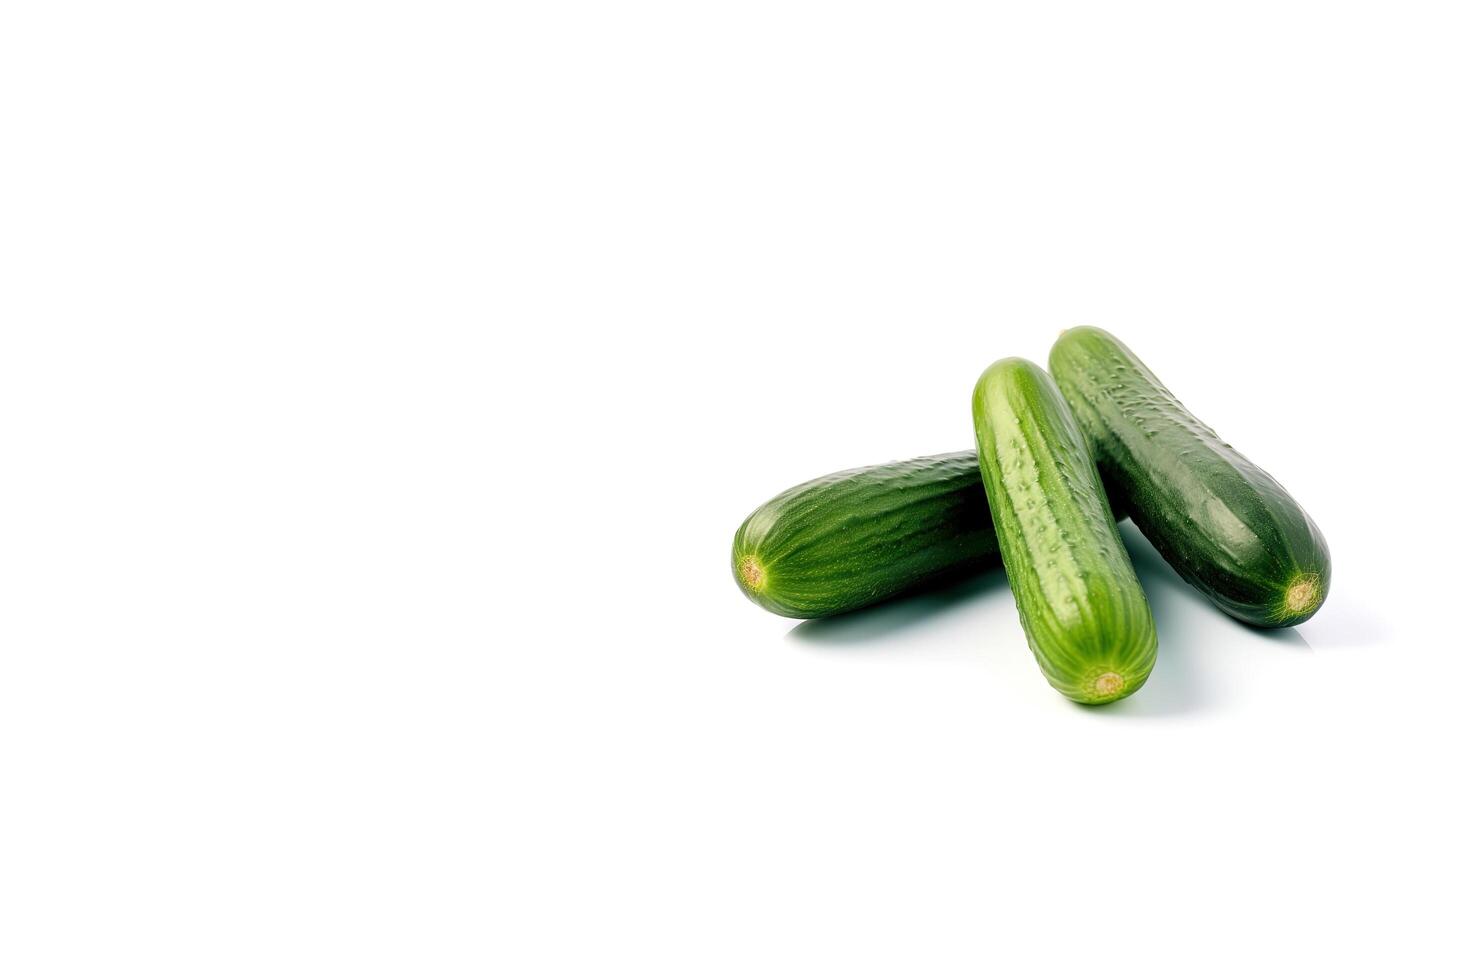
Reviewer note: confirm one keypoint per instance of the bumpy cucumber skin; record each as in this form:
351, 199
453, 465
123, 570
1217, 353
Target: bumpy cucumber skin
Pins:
1221, 521
1085, 615
850, 539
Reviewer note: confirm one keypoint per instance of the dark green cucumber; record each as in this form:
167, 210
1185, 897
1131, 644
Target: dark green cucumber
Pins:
1084, 613
854, 538
1224, 524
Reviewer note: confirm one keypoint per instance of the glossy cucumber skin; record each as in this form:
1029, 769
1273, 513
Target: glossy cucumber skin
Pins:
1222, 522
1081, 605
850, 539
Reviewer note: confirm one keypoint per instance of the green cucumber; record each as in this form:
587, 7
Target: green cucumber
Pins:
854, 538
1224, 524
1084, 613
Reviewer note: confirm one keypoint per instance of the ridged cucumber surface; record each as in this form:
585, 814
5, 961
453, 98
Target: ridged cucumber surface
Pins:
1221, 521
1083, 610
850, 539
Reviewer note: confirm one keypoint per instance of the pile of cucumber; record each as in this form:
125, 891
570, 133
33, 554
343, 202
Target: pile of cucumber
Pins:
1032, 497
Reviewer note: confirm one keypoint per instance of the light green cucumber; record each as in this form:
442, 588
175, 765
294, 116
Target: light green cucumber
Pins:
1082, 608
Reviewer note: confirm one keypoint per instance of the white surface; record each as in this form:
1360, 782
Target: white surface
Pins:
382, 386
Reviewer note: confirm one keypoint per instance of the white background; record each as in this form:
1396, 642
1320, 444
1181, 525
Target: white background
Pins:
381, 385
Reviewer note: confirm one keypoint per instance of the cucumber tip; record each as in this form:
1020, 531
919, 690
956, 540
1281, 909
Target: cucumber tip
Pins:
751, 573
1108, 684
1303, 594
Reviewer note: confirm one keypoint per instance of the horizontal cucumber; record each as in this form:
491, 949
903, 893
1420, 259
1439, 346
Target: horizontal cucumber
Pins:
1221, 521
1083, 610
854, 538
